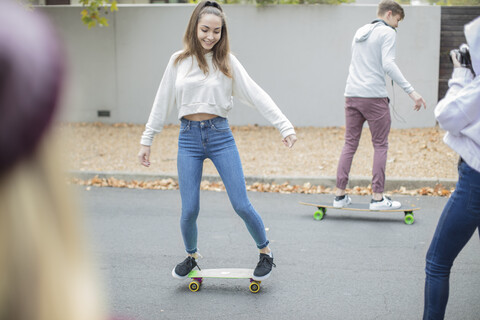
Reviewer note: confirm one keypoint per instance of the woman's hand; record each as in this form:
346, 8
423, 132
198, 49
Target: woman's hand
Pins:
456, 63
290, 140
144, 156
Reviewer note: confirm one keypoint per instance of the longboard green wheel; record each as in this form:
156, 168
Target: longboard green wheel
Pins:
409, 219
319, 214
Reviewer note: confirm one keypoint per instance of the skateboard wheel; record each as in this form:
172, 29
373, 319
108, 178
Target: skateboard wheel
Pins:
194, 286
254, 286
319, 214
409, 219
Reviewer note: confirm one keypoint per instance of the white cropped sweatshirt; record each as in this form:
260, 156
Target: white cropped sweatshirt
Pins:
187, 88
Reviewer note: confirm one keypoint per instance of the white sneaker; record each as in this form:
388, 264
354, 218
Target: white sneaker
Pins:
385, 204
337, 203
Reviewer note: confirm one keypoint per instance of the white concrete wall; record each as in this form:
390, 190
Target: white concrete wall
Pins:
298, 54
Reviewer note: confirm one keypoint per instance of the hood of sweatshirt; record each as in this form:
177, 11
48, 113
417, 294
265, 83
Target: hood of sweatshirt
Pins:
364, 32
472, 34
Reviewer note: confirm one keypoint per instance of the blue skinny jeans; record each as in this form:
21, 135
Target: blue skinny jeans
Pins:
459, 220
212, 139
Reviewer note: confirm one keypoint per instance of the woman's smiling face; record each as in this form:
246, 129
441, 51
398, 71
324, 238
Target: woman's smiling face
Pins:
209, 31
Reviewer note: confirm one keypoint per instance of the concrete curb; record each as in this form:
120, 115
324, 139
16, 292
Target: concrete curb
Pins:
391, 183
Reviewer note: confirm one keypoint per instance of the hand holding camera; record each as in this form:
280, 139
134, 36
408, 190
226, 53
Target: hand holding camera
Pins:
461, 57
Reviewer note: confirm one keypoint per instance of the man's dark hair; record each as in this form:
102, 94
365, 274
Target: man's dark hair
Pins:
390, 5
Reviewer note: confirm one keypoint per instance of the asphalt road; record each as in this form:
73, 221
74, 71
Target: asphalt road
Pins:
348, 266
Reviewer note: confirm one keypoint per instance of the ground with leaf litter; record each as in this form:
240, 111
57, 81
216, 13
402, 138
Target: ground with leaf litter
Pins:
413, 153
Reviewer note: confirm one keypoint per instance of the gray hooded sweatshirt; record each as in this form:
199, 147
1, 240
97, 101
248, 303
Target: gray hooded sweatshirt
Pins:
459, 112
373, 57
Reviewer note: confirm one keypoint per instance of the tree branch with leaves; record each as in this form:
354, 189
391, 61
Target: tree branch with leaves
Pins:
95, 11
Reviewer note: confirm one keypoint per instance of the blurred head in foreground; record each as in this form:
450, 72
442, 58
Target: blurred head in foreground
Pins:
45, 271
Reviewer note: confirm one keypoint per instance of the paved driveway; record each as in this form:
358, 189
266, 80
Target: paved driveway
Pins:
348, 266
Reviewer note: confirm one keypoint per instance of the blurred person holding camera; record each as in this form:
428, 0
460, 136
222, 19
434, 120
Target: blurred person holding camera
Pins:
45, 270
366, 99
459, 114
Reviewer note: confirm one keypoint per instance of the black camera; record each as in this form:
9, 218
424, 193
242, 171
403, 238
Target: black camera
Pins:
463, 56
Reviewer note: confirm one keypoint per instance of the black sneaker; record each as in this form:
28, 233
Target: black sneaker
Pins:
182, 269
264, 267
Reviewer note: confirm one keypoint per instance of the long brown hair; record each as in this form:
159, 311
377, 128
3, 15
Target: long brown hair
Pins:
193, 47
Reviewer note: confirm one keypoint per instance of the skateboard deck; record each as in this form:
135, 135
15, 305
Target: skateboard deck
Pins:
197, 277
322, 210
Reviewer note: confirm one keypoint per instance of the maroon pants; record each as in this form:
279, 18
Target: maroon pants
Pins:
377, 114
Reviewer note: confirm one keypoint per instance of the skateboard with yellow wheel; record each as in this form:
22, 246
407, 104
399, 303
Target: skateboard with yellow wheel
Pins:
322, 210
197, 277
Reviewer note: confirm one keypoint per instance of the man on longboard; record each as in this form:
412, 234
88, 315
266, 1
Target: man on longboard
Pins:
373, 56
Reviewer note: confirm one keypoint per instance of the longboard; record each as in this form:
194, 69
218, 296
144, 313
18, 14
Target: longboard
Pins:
197, 277
322, 210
